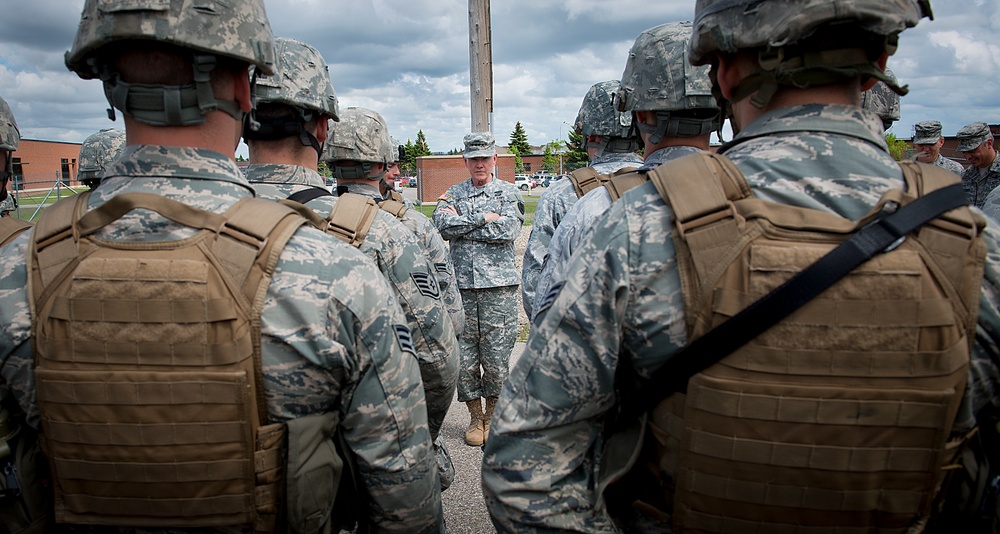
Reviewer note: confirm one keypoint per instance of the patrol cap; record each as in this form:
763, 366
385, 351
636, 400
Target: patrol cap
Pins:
9, 134
926, 132
973, 135
479, 145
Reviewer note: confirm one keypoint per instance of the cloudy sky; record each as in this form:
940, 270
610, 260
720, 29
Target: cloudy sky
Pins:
409, 60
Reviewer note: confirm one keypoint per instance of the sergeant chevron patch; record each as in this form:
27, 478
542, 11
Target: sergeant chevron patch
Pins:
426, 284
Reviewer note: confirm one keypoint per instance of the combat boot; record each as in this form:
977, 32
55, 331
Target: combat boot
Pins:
474, 435
491, 404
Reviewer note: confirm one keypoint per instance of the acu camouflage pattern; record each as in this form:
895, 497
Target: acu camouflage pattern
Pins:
551, 212
991, 207
972, 135
486, 270
979, 184
359, 136
479, 145
927, 132
949, 164
9, 134
301, 79
399, 257
622, 305
657, 75
330, 330
599, 115
577, 224
237, 30
98, 152
728, 25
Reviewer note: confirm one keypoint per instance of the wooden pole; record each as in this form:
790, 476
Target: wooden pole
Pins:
481, 65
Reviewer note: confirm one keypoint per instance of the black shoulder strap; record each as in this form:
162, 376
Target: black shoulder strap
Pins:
311, 193
882, 235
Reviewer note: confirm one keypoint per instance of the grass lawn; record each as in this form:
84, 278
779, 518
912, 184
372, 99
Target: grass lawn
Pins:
31, 204
530, 203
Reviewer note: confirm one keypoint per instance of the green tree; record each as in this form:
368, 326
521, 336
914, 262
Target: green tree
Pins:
576, 155
897, 147
519, 140
518, 162
550, 159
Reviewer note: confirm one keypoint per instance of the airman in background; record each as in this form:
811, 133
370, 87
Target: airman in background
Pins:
98, 152
975, 142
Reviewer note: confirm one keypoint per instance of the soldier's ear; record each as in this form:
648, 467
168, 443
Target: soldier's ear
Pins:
241, 90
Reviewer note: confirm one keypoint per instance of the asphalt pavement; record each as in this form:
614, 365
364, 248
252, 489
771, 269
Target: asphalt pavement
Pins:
464, 509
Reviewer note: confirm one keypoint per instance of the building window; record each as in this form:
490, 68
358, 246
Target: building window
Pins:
527, 167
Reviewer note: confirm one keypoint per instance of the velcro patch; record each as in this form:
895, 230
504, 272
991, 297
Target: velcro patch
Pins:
404, 338
550, 297
426, 284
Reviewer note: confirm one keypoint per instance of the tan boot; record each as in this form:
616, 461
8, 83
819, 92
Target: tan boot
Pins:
491, 404
474, 435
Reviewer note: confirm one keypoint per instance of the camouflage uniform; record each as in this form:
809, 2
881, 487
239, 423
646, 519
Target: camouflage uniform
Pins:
483, 255
327, 332
9, 138
99, 151
882, 101
622, 293
597, 116
992, 205
577, 223
929, 133
978, 184
622, 301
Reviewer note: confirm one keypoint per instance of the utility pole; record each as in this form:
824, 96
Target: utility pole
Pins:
481, 65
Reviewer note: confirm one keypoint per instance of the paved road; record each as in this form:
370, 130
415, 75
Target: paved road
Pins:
464, 510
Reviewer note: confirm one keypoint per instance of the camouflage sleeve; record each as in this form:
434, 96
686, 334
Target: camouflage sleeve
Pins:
992, 205
508, 226
574, 229
17, 378
412, 278
548, 214
542, 458
444, 269
983, 387
455, 226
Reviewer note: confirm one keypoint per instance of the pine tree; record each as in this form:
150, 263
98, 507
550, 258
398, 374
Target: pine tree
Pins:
519, 140
550, 159
576, 155
518, 162
421, 145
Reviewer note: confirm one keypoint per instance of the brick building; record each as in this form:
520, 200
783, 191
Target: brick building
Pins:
39, 165
435, 174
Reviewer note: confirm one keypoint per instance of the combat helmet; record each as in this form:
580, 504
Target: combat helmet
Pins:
98, 152
301, 81
598, 115
360, 136
210, 30
10, 136
882, 101
658, 78
778, 30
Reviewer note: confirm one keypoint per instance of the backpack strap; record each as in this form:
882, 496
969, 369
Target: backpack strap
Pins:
11, 227
620, 181
395, 195
352, 217
397, 209
584, 180
305, 195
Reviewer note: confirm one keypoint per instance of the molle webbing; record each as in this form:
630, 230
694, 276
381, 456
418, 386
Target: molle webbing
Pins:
586, 179
351, 218
395, 195
11, 227
148, 365
620, 182
396, 208
839, 418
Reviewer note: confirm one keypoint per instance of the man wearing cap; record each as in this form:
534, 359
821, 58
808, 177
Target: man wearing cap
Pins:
928, 141
481, 217
975, 142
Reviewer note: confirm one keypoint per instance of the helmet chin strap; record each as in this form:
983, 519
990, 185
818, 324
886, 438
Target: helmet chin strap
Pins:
168, 105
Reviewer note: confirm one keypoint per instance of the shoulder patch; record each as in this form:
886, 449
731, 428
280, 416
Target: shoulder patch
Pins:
404, 338
550, 297
444, 196
426, 284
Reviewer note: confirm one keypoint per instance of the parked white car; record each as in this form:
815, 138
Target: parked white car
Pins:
524, 182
